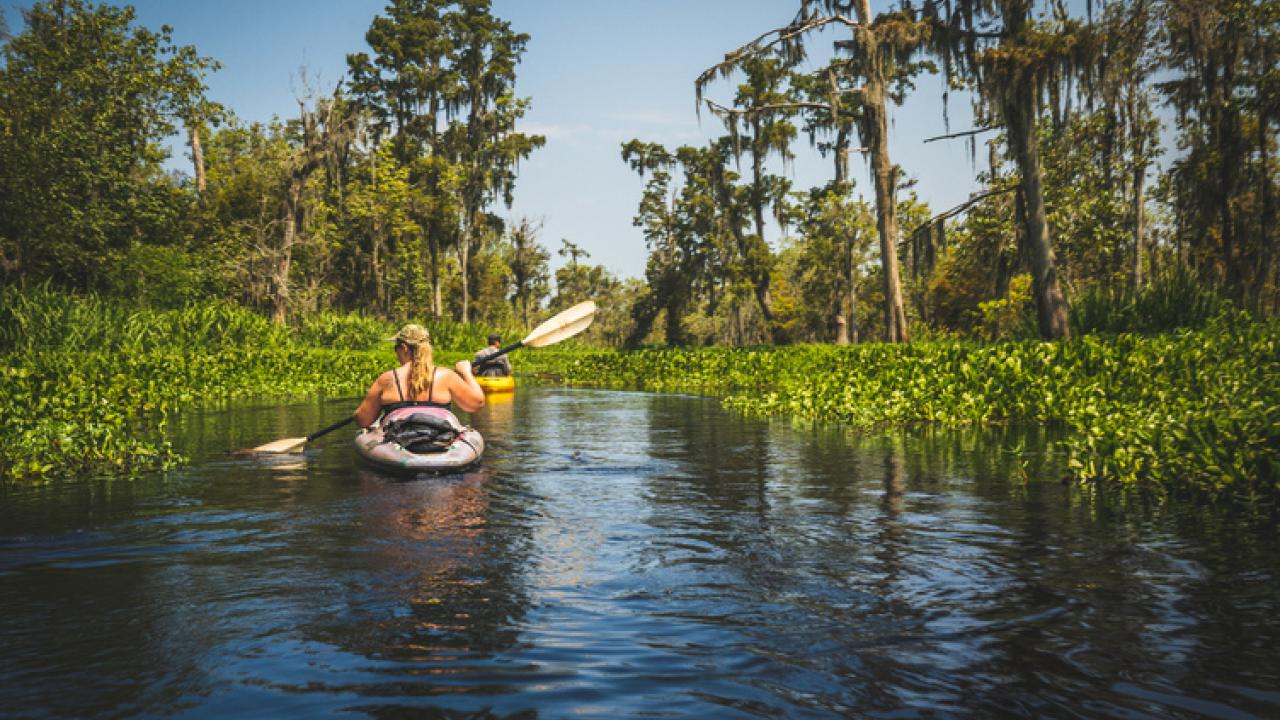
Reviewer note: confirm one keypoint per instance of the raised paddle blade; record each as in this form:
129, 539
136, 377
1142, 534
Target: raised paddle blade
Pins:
286, 445
563, 325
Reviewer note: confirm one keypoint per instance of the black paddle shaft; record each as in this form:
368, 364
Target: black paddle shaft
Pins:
345, 421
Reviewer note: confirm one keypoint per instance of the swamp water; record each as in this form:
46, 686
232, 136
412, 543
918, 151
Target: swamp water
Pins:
624, 555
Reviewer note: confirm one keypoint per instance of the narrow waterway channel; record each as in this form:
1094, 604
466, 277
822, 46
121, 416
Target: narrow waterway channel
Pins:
625, 555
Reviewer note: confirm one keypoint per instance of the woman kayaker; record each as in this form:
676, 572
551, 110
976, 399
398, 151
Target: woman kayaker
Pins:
417, 382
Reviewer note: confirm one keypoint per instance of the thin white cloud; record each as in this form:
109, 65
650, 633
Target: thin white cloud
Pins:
555, 132
649, 117
583, 134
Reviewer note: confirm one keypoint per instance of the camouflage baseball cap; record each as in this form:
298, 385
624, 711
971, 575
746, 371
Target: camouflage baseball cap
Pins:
412, 334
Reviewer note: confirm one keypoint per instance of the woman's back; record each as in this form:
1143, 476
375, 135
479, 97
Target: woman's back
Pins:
417, 382
396, 392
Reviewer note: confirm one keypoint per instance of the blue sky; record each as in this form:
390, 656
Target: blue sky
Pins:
599, 73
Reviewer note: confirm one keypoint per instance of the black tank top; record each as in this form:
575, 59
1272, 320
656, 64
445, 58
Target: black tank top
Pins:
414, 403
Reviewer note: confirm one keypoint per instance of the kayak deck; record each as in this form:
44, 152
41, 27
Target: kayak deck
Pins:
497, 384
374, 448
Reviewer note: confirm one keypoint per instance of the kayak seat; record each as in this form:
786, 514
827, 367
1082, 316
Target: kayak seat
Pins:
421, 432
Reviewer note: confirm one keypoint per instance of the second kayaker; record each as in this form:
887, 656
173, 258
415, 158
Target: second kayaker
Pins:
417, 382
492, 368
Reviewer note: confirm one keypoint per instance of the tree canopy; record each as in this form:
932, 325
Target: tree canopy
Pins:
389, 191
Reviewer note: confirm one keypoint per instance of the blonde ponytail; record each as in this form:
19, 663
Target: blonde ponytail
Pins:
420, 369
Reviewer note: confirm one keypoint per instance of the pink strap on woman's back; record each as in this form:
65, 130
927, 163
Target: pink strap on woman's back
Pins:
403, 412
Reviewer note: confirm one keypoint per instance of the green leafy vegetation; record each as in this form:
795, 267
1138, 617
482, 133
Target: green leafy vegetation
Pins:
296, 245
1072, 208
1193, 412
386, 197
1173, 302
90, 383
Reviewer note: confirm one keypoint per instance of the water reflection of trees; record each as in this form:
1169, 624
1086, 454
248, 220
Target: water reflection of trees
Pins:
951, 571
439, 578
88, 633
1041, 600
425, 571
917, 571
434, 576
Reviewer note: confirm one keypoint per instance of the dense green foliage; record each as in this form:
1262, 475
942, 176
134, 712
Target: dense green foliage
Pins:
314, 236
383, 197
85, 100
89, 383
1172, 302
1073, 206
1187, 412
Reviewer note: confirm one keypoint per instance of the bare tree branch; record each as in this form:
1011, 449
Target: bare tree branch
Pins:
966, 133
755, 47
973, 200
719, 109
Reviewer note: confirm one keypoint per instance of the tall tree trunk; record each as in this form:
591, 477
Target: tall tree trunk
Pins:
1227, 170
875, 128
284, 259
433, 247
430, 228
846, 269
1138, 207
845, 324
759, 275
895, 315
1139, 222
1051, 305
197, 157
464, 261
842, 154
1266, 251
853, 288
375, 252
762, 295
472, 191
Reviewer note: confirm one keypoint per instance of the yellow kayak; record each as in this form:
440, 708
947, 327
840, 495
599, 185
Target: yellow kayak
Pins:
501, 384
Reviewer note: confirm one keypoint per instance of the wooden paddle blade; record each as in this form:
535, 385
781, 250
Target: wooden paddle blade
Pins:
286, 445
564, 325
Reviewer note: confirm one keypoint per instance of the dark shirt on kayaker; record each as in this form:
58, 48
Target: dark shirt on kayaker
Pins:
498, 368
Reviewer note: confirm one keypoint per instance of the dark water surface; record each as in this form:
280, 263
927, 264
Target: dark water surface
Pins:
624, 555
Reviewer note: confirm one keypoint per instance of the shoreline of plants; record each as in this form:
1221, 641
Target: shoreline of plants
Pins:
89, 385
1192, 413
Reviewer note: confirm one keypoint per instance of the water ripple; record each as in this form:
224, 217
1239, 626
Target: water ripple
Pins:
624, 555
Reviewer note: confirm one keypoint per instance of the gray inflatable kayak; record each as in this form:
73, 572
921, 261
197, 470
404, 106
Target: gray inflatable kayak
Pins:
380, 448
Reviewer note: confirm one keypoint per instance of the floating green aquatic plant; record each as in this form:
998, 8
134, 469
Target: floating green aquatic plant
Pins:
1190, 412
